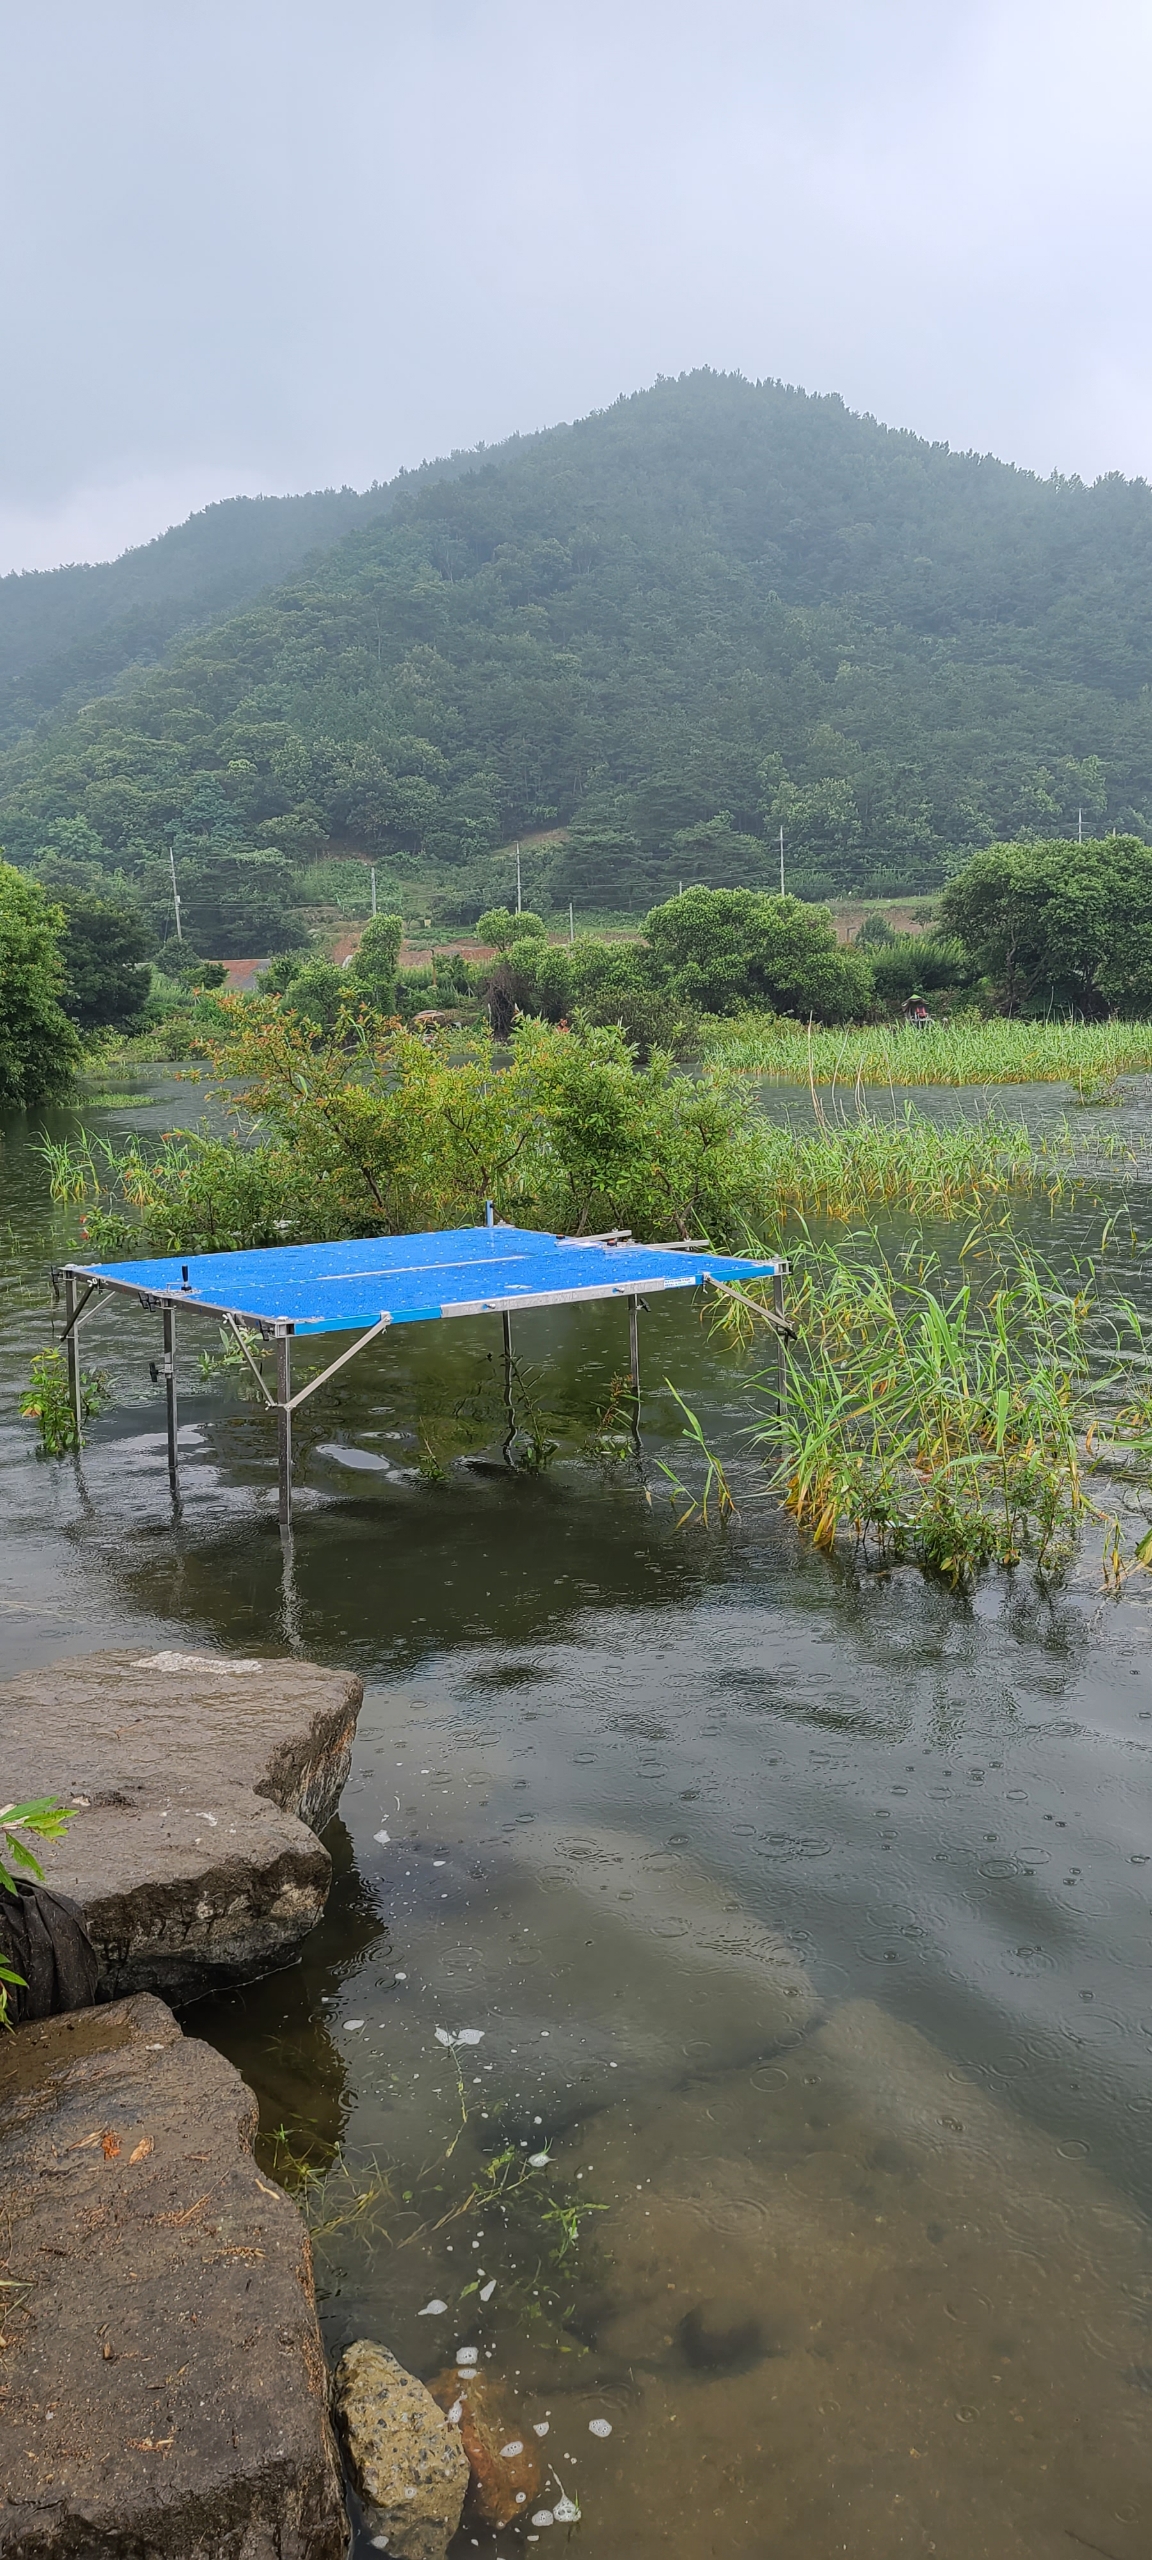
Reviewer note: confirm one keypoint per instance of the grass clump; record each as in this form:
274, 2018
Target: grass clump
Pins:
847, 1166
960, 1051
946, 1421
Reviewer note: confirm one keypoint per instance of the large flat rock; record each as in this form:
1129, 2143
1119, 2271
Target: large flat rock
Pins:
201, 1784
162, 2385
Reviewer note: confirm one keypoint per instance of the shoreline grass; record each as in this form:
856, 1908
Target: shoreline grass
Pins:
955, 1419
964, 1051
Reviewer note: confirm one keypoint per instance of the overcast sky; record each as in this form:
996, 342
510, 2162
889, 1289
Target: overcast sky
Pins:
284, 244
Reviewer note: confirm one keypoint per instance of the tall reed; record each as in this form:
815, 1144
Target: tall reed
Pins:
965, 1050
849, 1164
932, 1419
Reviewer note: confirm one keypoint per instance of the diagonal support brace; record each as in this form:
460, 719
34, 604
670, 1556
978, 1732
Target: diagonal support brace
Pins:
234, 1329
334, 1365
78, 1313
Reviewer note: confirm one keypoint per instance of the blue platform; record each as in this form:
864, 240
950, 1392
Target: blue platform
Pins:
465, 1271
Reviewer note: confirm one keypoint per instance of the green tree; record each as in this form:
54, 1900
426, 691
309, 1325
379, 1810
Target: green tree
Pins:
316, 993
605, 868
720, 949
39, 1047
500, 927
372, 973
1050, 924
235, 903
714, 855
103, 950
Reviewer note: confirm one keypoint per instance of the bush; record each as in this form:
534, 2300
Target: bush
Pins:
722, 949
316, 993
372, 972
501, 928
569, 1135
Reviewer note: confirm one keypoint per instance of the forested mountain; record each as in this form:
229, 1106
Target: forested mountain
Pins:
64, 630
712, 610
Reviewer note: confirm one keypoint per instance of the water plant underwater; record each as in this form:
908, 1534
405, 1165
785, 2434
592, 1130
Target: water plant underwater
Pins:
542, 2219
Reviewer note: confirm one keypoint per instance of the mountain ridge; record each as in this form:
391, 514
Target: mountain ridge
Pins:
709, 610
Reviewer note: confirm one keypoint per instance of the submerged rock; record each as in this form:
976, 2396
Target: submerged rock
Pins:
407, 2463
504, 2465
164, 2389
850, 2292
200, 1785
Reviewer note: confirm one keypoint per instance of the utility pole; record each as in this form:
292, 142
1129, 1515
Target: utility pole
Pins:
519, 900
175, 895
571, 923
781, 861
373, 888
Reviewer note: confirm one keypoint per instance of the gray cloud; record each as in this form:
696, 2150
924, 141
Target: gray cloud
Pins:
269, 245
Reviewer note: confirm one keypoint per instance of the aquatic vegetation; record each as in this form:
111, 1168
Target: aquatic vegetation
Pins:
565, 2220
47, 1401
962, 1050
572, 1136
716, 1487
852, 1163
953, 1421
374, 1130
237, 1350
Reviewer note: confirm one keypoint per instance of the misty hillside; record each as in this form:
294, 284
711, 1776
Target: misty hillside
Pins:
81, 627
712, 610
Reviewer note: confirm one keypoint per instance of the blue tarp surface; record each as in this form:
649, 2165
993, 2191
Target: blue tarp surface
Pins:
343, 1288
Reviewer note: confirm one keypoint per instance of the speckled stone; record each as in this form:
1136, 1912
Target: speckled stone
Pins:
406, 2461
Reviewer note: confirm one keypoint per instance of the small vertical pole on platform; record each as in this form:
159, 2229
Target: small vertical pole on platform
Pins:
75, 1396
284, 1423
634, 1344
489, 1213
170, 1394
781, 1346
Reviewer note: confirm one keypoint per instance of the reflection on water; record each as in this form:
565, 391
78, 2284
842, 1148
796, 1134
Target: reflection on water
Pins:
800, 1918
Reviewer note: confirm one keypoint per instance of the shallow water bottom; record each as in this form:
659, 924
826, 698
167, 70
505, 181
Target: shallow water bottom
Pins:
595, 2118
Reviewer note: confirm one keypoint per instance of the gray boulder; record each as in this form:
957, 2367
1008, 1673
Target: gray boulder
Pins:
200, 1784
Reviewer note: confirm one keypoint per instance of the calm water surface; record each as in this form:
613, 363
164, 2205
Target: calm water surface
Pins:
801, 1916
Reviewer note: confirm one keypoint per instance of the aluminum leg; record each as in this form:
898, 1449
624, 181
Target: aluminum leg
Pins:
284, 1421
634, 1344
781, 1346
170, 1398
75, 1395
